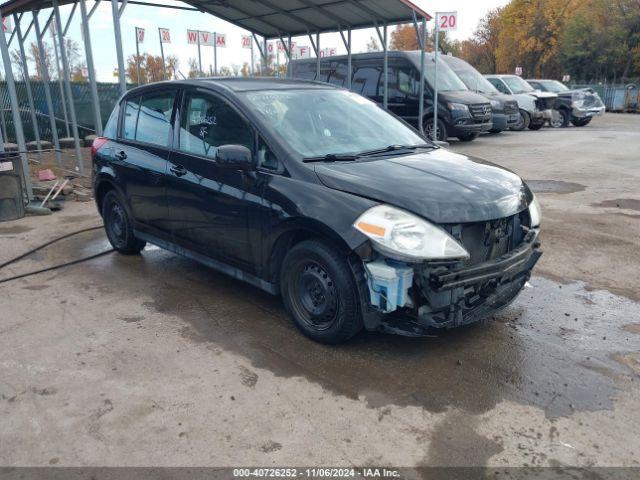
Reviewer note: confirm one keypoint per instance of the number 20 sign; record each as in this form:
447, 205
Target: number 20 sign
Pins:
447, 21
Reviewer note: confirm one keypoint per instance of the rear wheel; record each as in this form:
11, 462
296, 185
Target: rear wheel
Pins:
523, 122
442, 134
320, 293
468, 137
118, 226
581, 122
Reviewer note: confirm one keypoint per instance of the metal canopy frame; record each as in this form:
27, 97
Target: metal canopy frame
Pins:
269, 19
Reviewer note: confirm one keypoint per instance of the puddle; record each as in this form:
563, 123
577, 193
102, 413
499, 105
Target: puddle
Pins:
552, 348
626, 203
554, 186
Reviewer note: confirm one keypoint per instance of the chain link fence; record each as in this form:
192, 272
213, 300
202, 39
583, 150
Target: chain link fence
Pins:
108, 93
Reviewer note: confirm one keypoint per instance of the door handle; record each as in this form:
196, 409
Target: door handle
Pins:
178, 170
121, 155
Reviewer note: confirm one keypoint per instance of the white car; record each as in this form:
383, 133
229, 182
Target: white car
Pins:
535, 107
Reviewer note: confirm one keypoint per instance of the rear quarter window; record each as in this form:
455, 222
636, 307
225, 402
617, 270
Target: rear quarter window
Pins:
111, 128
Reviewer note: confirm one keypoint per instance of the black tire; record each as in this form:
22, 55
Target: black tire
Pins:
523, 123
469, 137
442, 130
563, 120
536, 126
320, 293
118, 226
581, 122
495, 131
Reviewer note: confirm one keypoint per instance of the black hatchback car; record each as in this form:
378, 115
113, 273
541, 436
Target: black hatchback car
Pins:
318, 194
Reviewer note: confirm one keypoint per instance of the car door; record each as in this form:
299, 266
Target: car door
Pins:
209, 203
140, 157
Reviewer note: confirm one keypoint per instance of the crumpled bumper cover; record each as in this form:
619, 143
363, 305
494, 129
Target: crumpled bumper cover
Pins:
466, 295
588, 112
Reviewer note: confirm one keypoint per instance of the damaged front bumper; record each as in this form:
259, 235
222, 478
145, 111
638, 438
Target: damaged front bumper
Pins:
448, 295
588, 112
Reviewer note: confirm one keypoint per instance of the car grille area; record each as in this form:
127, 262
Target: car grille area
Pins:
485, 241
481, 112
511, 107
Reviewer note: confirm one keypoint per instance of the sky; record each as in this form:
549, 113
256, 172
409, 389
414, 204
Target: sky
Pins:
178, 21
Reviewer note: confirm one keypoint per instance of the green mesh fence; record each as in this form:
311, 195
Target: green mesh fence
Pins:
108, 93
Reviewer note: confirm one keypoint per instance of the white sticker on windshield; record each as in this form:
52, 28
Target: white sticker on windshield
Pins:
6, 166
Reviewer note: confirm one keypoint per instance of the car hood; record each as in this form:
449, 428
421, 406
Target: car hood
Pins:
466, 97
539, 94
438, 185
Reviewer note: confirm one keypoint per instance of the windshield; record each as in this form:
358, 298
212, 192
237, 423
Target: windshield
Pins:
517, 85
475, 81
448, 81
553, 86
321, 122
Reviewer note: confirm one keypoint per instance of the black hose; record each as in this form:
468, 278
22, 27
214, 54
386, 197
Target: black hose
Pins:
33, 250
55, 267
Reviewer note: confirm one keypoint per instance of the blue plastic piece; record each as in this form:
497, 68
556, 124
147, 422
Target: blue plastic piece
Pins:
389, 284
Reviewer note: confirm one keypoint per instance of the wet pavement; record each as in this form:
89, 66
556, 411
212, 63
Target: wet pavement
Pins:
157, 360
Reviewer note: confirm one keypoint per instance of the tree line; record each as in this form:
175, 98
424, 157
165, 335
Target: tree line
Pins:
591, 40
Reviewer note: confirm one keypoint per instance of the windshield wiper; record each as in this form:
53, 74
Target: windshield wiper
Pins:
395, 148
331, 157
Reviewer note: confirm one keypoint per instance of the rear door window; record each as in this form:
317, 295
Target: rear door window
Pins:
154, 118
209, 122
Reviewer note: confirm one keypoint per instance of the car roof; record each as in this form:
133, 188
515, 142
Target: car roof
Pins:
238, 84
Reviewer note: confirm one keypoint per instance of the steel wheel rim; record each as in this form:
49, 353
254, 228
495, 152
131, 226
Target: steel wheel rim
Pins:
117, 224
315, 296
429, 132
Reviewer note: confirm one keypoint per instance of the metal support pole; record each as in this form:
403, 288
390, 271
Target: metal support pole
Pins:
47, 89
95, 100
253, 65
164, 67
215, 53
138, 56
63, 100
67, 85
266, 55
1, 142
199, 56
347, 45
421, 38
15, 112
318, 58
27, 84
385, 65
435, 84
118, 36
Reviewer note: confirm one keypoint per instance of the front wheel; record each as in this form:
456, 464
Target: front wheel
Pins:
469, 137
320, 293
562, 119
442, 134
118, 226
523, 122
581, 122
495, 131
536, 126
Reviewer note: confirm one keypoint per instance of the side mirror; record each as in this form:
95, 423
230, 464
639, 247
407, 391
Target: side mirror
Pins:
235, 157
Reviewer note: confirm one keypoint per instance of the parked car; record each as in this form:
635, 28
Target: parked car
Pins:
535, 107
504, 108
318, 194
576, 106
461, 113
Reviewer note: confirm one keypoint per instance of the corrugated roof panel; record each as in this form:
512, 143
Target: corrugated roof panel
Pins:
272, 18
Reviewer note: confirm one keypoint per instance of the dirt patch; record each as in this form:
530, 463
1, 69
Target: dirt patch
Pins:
626, 203
632, 328
14, 229
555, 186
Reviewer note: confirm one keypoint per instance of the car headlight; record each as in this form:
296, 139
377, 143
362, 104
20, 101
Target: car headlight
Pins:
406, 237
496, 105
534, 212
459, 109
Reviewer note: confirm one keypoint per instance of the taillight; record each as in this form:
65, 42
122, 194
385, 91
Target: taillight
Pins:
97, 144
